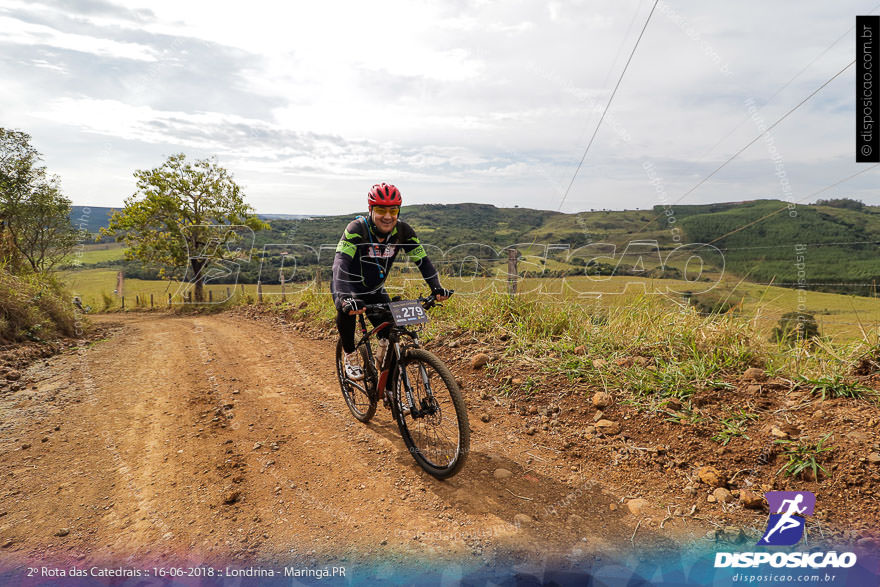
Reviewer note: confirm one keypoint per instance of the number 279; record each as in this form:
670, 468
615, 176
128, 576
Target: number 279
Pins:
412, 311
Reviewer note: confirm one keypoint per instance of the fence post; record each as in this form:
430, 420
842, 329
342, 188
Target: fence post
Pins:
228, 293
137, 301
169, 300
512, 275
210, 296
123, 302
260, 292
151, 301
318, 278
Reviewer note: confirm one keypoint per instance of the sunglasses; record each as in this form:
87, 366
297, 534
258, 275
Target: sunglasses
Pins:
383, 210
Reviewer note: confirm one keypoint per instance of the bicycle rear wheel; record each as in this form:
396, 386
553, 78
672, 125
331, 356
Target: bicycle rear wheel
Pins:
359, 395
436, 431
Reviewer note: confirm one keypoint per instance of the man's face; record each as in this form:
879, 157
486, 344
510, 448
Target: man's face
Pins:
385, 217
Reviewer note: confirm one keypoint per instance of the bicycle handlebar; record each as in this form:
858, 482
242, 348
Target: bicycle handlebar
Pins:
428, 302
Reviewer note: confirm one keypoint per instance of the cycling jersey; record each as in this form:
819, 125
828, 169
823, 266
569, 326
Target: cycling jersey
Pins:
362, 262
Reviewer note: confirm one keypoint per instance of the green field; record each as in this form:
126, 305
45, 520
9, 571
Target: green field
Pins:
839, 316
97, 253
91, 285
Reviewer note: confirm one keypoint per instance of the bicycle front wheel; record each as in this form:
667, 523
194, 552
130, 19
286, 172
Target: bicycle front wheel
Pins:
436, 429
361, 402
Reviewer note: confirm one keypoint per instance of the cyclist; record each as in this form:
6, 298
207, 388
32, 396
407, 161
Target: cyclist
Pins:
363, 259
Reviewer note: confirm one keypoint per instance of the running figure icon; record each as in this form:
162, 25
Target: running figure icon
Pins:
786, 524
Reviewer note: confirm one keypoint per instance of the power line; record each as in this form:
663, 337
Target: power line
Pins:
765, 131
753, 141
608, 105
788, 83
632, 21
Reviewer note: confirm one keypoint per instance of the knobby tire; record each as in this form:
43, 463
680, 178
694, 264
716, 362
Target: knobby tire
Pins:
413, 357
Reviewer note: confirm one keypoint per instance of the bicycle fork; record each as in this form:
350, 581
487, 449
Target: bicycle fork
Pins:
427, 408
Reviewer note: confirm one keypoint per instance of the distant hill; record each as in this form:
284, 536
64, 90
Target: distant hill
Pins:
94, 218
283, 216
91, 218
763, 241
829, 247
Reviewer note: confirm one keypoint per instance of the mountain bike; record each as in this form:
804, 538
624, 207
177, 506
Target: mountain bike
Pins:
413, 383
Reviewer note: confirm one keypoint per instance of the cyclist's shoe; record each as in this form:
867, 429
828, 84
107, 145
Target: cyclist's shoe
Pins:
405, 410
353, 372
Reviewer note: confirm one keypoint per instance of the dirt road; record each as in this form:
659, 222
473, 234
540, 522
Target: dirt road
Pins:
220, 437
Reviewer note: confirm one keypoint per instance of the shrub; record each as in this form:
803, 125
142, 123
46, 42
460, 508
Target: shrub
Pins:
106, 300
33, 307
794, 327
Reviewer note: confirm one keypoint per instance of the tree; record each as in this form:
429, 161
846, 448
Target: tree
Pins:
173, 217
34, 215
846, 203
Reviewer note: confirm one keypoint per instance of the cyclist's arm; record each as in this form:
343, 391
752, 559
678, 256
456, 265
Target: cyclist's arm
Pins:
416, 253
346, 273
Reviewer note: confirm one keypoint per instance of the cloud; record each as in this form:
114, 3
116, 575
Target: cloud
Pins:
14, 31
463, 100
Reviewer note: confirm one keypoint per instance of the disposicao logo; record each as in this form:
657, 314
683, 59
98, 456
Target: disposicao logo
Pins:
788, 510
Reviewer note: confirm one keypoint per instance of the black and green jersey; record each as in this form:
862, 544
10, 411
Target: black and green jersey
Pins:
362, 262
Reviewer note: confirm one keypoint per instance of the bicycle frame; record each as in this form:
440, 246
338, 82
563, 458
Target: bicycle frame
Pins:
391, 361
414, 384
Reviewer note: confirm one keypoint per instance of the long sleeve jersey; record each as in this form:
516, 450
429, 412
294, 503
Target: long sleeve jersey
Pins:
362, 263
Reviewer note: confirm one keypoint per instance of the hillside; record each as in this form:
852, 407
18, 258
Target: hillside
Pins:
758, 239
836, 245
94, 218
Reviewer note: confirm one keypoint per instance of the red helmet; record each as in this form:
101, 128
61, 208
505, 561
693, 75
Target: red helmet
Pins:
384, 194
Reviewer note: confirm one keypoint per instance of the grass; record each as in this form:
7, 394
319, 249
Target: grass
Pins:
96, 253
686, 417
95, 287
839, 317
34, 307
803, 456
834, 387
733, 426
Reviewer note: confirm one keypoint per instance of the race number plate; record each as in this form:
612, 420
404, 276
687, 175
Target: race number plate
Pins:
408, 312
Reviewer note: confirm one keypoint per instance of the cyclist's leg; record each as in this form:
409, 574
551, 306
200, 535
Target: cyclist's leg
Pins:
377, 317
345, 323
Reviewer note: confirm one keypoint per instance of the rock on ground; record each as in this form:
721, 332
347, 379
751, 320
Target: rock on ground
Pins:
751, 500
608, 427
479, 360
637, 506
755, 374
711, 476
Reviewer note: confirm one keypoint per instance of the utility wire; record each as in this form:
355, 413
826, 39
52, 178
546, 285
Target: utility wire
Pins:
632, 21
785, 85
753, 141
608, 105
767, 130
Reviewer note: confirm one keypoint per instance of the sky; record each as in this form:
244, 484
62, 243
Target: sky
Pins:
308, 104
